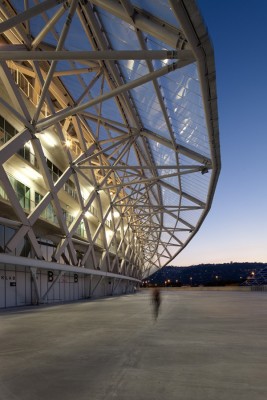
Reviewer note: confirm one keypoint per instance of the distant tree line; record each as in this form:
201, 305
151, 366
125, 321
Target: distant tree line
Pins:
204, 274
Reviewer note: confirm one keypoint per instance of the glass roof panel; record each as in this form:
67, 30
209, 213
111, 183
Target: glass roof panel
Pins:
165, 237
173, 181
169, 221
133, 69
38, 22
77, 39
186, 112
121, 35
74, 85
196, 185
191, 216
170, 198
162, 155
182, 96
149, 109
109, 109
160, 8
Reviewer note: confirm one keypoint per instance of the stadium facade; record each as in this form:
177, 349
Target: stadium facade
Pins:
109, 143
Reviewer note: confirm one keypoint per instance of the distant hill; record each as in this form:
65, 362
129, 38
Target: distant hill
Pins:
204, 274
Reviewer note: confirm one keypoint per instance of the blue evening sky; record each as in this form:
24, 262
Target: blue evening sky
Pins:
236, 227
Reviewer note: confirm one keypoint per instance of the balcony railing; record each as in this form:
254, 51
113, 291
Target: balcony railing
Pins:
27, 88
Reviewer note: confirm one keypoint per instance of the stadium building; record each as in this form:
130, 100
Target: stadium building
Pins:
109, 143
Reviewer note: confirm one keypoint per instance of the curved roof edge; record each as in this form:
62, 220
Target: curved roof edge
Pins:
196, 32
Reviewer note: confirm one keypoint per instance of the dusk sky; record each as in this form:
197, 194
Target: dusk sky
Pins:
236, 227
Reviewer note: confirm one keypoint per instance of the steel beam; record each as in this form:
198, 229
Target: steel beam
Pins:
37, 40
60, 55
53, 65
99, 99
33, 270
145, 22
29, 13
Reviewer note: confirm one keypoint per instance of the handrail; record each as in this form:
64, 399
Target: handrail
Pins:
26, 87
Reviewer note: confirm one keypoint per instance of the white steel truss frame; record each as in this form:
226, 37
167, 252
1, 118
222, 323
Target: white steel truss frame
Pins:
136, 228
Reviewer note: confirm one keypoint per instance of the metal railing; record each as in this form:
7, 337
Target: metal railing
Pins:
28, 156
72, 192
27, 88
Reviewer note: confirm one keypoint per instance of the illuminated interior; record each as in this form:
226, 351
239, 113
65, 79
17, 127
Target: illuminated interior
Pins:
109, 133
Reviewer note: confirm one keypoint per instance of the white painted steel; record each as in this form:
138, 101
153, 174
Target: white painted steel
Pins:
109, 151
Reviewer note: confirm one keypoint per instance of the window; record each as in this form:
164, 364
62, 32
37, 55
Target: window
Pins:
23, 193
69, 187
28, 156
37, 198
7, 131
68, 217
55, 171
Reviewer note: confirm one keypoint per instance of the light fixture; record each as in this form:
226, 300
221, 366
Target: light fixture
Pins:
48, 138
68, 143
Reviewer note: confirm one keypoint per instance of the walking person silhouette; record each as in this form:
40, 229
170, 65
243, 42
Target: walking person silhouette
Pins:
156, 300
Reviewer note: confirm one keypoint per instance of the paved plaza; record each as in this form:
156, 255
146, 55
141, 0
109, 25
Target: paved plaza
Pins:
204, 345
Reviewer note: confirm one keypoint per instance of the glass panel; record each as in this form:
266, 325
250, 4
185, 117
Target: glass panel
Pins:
49, 214
81, 229
37, 198
160, 8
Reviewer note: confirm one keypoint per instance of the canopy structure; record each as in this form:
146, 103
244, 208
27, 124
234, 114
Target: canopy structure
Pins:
116, 103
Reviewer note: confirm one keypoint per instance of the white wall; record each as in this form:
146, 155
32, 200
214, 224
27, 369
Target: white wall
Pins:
17, 287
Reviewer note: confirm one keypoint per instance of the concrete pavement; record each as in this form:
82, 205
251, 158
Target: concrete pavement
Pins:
204, 345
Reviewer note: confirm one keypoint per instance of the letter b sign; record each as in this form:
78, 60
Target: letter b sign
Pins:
50, 276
